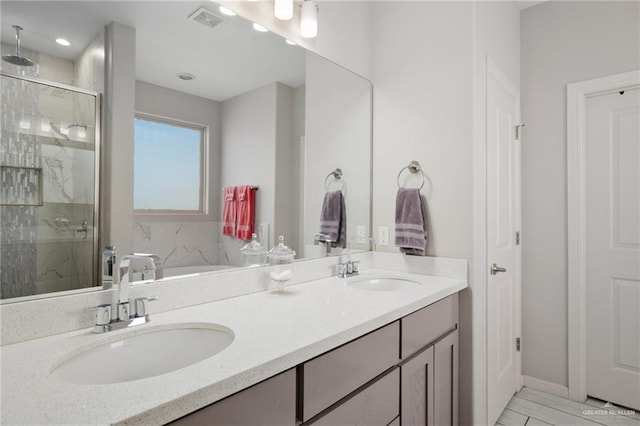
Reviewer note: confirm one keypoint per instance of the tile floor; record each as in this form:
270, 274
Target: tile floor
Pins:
534, 408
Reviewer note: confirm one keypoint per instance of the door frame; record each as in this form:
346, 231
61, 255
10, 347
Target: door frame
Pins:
577, 94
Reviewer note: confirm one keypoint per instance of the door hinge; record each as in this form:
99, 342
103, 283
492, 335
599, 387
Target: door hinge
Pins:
517, 238
517, 344
518, 128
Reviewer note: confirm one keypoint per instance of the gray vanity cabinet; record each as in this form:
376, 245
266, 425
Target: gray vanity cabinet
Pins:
271, 402
374, 405
417, 396
429, 367
445, 378
405, 373
327, 379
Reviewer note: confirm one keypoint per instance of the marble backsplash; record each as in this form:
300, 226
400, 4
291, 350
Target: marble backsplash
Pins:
181, 244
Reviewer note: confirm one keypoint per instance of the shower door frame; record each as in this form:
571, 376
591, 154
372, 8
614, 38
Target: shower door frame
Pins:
97, 274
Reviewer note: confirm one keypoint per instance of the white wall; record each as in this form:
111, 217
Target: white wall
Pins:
423, 94
118, 109
562, 42
286, 167
338, 135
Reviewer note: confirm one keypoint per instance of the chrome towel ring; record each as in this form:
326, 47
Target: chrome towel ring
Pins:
337, 176
414, 167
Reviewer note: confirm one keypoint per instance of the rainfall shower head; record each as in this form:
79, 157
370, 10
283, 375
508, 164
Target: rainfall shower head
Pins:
17, 59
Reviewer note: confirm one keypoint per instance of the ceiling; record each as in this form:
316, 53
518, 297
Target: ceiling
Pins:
223, 59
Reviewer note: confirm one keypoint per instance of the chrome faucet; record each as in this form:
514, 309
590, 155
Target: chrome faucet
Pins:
325, 240
125, 316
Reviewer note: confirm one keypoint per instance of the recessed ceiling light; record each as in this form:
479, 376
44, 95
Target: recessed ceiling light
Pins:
226, 11
260, 28
186, 76
290, 42
63, 42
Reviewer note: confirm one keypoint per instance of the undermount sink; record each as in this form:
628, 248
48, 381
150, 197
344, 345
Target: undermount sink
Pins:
150, 352
383, 284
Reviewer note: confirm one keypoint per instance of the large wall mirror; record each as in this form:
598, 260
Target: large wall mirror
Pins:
218, 104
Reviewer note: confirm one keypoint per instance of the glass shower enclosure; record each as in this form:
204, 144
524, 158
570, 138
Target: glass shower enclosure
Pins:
49, 168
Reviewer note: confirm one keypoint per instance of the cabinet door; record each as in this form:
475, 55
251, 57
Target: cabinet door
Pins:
445, 357
416, 404
272, 402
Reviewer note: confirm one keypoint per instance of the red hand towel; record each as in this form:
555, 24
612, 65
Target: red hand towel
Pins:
229, 212
246, 212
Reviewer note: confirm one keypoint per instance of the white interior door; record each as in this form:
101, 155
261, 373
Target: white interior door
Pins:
613, 246
503, 211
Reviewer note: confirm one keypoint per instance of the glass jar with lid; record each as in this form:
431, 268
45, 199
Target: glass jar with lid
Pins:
281, 259
254, 253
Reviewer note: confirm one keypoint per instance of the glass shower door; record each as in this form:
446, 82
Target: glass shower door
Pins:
48, 187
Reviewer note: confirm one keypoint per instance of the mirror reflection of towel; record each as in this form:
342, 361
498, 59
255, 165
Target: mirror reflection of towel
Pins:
229, 212
333, 218
411, 222
246, 212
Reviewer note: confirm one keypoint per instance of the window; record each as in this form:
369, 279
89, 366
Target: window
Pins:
169, 166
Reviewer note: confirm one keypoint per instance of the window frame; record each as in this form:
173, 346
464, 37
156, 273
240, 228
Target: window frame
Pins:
204, 170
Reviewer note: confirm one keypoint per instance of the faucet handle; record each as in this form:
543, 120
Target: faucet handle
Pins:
354, 266
103, 314
341, 270
141, 305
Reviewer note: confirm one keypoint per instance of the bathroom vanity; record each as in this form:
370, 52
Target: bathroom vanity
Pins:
371, 380
378, 348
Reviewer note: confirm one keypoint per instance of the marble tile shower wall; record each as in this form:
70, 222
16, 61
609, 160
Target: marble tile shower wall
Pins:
181, 244
178, 243
18, 221
40, 251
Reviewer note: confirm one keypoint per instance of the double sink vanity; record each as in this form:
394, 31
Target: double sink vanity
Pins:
326, 350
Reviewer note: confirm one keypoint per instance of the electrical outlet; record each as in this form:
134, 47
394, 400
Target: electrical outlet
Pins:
383, 235
361, 234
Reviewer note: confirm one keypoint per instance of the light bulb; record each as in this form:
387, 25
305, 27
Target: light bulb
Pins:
283, 9
309, 19
82, 133
45, 126
63, 42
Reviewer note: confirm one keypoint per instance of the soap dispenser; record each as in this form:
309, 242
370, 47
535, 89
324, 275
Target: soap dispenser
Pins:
281, 260
254, 253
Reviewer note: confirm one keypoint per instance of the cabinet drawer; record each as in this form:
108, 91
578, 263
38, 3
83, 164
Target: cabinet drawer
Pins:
272, 402
426, 325
332, 376
376, 405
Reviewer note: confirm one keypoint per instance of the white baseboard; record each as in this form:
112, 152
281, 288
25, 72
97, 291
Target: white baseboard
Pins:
544, 386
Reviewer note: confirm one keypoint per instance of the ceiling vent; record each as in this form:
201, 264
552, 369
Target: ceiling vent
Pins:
208, 18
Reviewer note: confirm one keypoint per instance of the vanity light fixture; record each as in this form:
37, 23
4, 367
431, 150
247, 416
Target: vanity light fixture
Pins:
283, 9
226, 11
309, 19
63, 42
260, 28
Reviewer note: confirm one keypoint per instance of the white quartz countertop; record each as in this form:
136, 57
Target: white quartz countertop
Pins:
273, 332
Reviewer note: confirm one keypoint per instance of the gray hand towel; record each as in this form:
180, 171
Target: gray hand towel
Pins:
333, 218
411, 222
